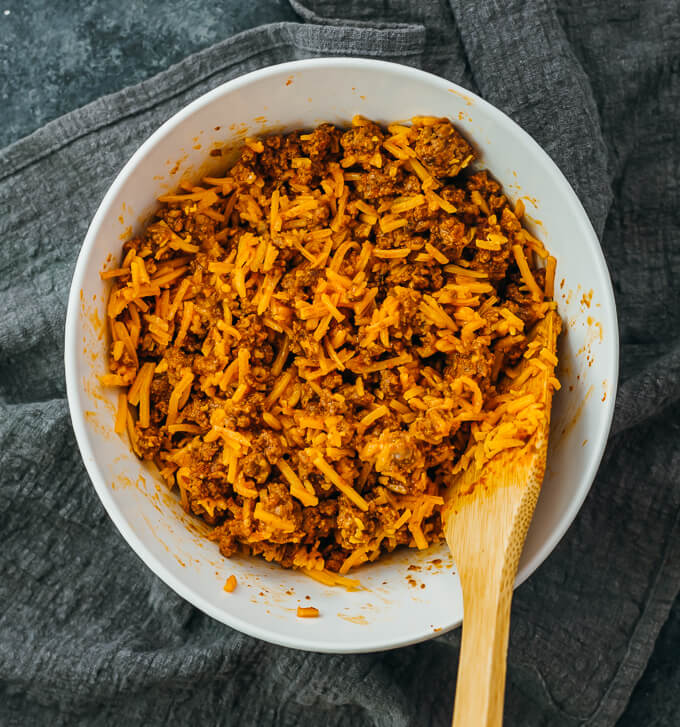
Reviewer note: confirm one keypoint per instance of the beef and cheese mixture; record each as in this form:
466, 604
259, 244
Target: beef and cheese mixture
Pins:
309, 346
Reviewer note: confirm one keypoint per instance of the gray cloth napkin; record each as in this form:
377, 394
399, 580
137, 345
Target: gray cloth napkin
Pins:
89, 636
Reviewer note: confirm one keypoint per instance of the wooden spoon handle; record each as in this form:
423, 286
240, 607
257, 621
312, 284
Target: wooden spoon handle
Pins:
480, 686
487, 515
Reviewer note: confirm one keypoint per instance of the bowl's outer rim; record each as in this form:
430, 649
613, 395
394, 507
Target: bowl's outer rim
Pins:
76, 405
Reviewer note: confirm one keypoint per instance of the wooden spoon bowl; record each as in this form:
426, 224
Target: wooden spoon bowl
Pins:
486, 518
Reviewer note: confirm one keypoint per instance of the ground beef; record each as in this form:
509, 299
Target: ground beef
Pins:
304, 301
442, 149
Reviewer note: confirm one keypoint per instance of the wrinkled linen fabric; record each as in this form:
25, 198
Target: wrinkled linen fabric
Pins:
89, 636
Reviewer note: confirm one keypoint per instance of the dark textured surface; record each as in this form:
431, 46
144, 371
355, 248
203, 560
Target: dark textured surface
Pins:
580, 641
56, 55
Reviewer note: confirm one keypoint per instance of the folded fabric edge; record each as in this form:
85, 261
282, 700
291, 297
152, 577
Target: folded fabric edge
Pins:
315, 39
309, 16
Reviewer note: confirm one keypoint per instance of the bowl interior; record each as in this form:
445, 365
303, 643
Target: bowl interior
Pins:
409, 595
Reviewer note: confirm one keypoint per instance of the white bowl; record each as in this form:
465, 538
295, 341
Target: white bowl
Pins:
410, 596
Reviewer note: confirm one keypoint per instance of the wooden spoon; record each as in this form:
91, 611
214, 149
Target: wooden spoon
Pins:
487, 515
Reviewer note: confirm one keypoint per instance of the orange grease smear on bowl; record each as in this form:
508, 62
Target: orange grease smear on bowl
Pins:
465, 97
575, 417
